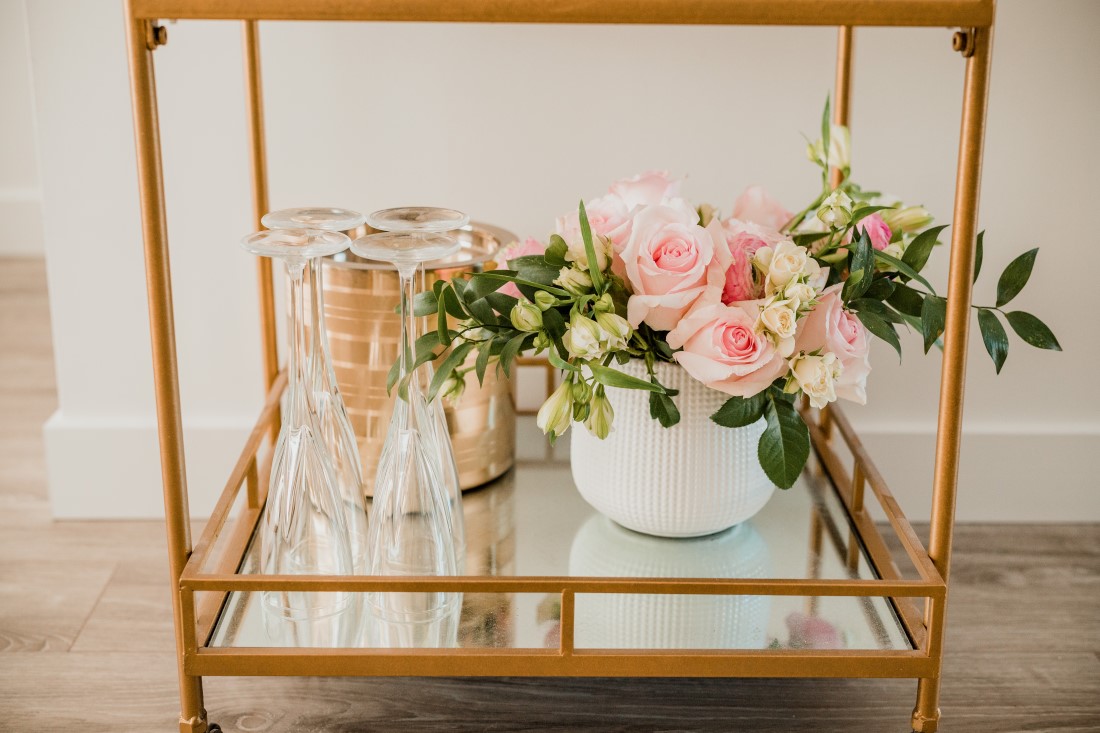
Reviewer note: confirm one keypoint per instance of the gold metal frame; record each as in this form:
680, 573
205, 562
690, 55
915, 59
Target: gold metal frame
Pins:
202, 578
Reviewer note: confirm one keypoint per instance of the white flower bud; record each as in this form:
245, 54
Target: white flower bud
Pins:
600, 417
908, 220
545, 300
575, 281
616, 327
604, 304
578, 254
584, 338
453, 388
526, 316
836, 210
556, 413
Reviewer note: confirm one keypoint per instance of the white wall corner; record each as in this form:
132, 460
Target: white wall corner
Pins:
109, 468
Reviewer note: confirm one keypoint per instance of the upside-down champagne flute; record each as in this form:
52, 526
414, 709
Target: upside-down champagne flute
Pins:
304, 529
411, 527
336, 433
429, 219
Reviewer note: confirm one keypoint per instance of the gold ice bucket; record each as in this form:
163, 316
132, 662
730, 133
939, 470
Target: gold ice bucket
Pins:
361, 298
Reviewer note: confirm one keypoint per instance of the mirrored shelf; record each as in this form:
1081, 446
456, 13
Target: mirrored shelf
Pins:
532, 522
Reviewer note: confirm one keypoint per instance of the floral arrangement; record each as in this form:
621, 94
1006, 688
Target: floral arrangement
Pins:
764, 305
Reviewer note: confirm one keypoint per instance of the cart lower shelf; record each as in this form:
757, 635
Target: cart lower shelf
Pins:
532, 523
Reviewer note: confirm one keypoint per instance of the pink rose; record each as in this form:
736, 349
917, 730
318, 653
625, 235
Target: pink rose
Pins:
877, 229
722, 349
811, 632
608, 216
757, 206
736, 279
651, 188
666, 260
828, 326
514, 251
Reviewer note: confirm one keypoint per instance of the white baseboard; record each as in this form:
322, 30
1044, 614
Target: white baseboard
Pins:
21, 212
107, 469
110, 468
1040, 476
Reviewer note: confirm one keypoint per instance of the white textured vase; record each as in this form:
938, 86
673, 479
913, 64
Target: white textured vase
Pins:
692, 479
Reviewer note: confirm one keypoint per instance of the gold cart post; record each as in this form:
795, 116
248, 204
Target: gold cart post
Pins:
976, 45
142, 37
257, 147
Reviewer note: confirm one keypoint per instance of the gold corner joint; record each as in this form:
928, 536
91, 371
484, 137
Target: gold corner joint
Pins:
963, 41
155, 35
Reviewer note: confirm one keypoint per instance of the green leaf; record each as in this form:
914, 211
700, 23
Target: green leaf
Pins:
554, 323
482, 311
518, 280
425, 303
590, 251
560, 363
917, 253
615, 378
442, 331
1032, 330
663, 409
864, 211
737, 412
502, 303
906, 300
391, 376
805, 239
511, 349
876, 307
861, 267
479, 286
933, 318
881, 328
826, 131
1015, 277
904, 269
994, 336
784, 445
452, 362
555, 252
451, 303
881, 288
485, 350
979, 253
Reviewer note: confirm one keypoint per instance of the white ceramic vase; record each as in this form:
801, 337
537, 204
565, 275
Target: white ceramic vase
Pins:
692, 479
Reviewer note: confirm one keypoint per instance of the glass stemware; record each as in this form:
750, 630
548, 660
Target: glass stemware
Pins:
436, 220
336, 433
305, 527
411, 528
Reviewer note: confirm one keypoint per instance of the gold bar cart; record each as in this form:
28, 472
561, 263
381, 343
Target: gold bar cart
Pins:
210, 578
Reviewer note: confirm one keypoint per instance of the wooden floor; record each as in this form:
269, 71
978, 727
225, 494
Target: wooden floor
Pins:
86, 640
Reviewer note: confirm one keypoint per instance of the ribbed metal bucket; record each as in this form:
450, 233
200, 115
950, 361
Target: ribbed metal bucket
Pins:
361, 298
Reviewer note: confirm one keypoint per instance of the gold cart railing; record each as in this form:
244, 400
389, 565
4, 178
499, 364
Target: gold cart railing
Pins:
213, 575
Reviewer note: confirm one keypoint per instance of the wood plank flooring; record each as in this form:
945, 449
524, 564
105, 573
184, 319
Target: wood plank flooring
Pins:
86, 639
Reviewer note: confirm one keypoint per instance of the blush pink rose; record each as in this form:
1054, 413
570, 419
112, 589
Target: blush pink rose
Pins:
722, 349
757, 206
828, 326
651, 188
811, 632
877, 230
736, 279
666, 262
514, 251
608, 216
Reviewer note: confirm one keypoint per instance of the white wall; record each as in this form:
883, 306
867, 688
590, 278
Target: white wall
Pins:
20, 194
514, 124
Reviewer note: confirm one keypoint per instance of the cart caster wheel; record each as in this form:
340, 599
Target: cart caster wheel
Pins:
214, 728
